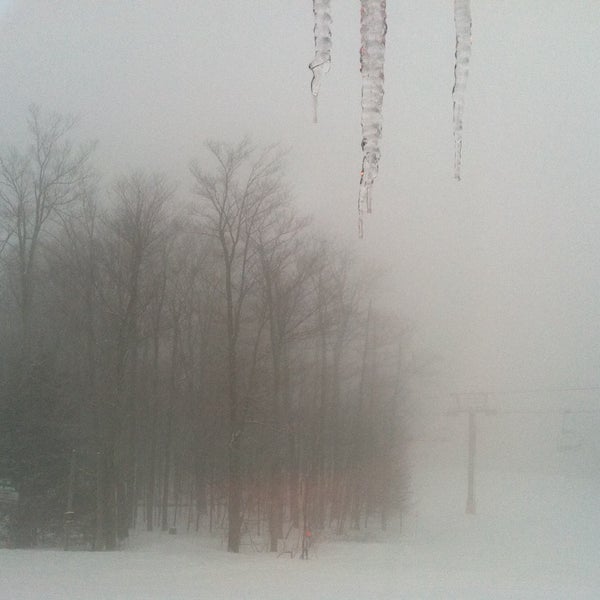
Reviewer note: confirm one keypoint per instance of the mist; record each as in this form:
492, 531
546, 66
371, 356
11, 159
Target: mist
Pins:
489, 285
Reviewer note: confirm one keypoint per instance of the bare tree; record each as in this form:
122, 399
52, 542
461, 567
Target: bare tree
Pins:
285, 268
135, 236
36, 187
238, 200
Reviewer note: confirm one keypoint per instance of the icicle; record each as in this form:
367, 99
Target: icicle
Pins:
321, 63
373, 28
462, 22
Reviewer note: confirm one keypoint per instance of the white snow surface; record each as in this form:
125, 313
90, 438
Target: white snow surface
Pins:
533, 537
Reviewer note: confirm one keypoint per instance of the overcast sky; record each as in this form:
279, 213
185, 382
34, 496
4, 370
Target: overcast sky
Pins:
499, 274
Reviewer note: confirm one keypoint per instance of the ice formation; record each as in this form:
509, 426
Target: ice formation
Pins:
373, 29
462, 21
321, 63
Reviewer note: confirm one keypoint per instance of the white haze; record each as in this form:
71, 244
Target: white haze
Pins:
497, 276
498, 273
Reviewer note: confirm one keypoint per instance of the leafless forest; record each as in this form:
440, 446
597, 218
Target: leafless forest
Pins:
195, 357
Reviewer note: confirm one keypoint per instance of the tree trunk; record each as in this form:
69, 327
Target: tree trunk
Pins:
235, 496
276, 503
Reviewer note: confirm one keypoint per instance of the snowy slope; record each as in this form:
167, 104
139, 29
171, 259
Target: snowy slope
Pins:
533, 537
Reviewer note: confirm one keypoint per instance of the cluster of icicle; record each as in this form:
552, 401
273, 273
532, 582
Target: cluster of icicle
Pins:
373, 28
321, 63
462, 22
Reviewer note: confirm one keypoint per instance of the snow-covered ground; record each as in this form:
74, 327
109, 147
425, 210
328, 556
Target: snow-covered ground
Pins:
535, 536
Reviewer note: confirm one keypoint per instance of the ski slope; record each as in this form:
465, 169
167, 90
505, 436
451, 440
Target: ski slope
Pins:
532, 537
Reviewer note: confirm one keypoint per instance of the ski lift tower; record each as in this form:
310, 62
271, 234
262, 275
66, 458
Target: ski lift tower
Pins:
472, 404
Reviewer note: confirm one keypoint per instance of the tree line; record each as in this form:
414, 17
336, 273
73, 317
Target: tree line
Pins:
202, 360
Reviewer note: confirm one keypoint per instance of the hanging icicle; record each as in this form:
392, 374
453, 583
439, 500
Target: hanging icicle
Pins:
321, 63
462, 22
373, 28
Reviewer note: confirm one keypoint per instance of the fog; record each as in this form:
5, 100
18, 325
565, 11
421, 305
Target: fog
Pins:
496, 276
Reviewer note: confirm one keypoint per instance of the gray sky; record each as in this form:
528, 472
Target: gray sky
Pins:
499, 274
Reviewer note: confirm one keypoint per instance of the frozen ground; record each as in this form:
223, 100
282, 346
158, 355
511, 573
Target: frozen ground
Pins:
533, 537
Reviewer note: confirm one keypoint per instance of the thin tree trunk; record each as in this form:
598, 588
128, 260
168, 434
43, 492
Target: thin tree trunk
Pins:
166, 475
235, 496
